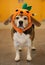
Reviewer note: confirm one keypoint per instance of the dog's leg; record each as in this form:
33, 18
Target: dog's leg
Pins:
33, 47
29, 58
17, 57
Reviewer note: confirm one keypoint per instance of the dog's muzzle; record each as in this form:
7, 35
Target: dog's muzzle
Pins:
20, 24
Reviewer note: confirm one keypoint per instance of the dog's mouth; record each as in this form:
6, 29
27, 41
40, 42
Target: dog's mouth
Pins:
21, 27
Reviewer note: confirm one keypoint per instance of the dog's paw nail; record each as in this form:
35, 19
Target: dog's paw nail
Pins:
29, 58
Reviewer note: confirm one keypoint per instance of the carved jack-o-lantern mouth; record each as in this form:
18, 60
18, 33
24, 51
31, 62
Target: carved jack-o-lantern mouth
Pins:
24, 13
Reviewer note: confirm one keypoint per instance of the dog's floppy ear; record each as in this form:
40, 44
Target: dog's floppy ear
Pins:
37, 23
8, 20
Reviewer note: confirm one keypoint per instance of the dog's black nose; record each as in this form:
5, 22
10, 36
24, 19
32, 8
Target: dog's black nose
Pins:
20, 23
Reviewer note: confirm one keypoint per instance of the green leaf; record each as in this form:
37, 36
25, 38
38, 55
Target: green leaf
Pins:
29, 8
24, 6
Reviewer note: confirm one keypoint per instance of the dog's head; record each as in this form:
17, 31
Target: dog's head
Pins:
22, 20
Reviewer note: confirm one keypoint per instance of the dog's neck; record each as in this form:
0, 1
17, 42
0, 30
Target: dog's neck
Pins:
27, 31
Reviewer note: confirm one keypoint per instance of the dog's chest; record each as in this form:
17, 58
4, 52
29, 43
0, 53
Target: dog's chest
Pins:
21, 38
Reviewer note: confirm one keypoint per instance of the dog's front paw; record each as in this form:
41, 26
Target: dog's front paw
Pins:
33, 48
29, 58
17, 58
20, 49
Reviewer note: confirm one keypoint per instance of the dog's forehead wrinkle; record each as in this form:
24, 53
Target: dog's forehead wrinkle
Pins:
17, 16
21, 16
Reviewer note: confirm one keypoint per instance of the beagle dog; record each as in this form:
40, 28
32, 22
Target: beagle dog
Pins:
22, 31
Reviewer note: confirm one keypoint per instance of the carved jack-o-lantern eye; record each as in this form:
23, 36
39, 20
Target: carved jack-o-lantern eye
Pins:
27, 11
21, 12
16, 10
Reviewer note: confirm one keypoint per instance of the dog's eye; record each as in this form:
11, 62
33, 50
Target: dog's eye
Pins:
17, 18
27, 11
25, 18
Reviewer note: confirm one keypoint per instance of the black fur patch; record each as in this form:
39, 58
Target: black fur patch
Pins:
29, 31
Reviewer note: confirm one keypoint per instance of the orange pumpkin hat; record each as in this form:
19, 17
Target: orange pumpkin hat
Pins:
24, 12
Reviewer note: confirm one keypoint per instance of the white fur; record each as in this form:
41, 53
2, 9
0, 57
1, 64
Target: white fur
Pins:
22, 40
